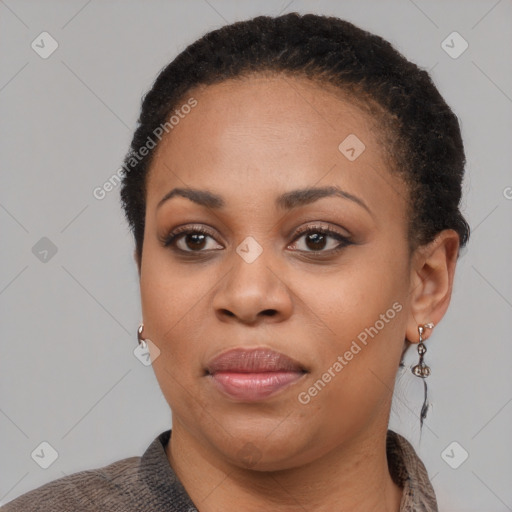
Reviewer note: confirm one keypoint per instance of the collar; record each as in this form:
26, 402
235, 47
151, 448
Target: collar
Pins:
405, 468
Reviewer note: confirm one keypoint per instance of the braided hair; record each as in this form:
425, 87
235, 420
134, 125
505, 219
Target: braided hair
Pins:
421, 133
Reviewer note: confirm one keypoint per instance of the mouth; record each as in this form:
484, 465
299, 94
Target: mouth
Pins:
253, 375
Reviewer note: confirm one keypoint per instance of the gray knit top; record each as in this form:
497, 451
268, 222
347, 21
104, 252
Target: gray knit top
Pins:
149, 484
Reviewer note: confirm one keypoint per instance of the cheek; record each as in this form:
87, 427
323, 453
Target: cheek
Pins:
171, 304
355, 297
362, 311
174, 301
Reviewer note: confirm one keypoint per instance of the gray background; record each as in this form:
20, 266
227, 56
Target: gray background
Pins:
68, 375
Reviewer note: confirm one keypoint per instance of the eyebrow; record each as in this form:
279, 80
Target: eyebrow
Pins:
286, 201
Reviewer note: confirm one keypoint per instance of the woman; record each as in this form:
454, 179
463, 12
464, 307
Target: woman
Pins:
293, 188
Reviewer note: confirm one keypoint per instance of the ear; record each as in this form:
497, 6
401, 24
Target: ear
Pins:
432, 273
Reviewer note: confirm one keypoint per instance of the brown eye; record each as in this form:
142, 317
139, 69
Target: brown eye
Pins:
320, 240
316, 241
191, 240
194, 241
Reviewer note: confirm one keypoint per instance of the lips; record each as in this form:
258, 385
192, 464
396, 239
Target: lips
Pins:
253, 361
252, 375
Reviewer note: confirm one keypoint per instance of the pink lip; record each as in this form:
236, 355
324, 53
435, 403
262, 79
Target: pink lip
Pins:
252, 375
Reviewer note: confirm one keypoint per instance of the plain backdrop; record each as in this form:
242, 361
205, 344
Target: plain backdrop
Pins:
69, 293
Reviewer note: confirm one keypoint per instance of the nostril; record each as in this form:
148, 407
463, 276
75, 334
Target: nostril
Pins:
269, 312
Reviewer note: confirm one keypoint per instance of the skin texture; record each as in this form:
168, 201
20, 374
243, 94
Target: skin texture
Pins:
249, 141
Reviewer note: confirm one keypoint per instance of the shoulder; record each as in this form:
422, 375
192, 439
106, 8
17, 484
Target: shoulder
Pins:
409, 472
135, 484
105, 488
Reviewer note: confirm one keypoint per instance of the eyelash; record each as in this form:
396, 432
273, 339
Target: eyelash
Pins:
171, 239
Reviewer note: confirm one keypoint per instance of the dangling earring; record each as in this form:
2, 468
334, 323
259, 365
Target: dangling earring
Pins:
142, 341
422, 370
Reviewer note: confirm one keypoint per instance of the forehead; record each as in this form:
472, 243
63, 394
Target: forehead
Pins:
260, 136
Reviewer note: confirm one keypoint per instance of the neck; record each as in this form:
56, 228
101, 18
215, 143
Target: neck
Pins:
354, 477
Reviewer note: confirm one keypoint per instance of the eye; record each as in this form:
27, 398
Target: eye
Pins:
320, 239
199, 239
191, 239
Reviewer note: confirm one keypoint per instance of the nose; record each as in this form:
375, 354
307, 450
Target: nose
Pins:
253, 292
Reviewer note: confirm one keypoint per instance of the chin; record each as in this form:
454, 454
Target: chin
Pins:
267, 445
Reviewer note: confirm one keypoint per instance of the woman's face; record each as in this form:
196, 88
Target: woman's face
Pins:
265, 277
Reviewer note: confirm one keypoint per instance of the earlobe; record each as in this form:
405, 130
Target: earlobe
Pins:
433, 271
